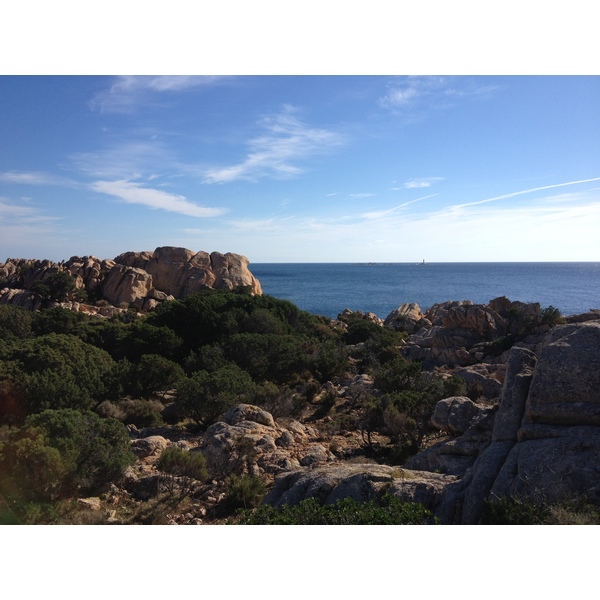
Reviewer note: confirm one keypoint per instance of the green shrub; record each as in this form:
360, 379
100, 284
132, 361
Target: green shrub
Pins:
58, 371
59, 453
205, 396
245, 491
181, 468
15, 321
389, 511
138, 412
152, 374
514, 511
57, 286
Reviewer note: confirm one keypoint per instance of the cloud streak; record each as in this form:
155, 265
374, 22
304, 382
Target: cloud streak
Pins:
456, 207
384, 213
286, 141
128, 92
480, 233
33, 178
133, 193
407, 94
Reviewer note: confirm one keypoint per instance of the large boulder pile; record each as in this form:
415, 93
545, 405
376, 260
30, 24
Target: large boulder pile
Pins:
460, 333
141, 279
179, 272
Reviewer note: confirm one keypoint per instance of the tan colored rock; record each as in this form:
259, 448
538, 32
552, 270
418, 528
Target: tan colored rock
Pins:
150, 446
179, 271
126, 285
407, 317
231, 271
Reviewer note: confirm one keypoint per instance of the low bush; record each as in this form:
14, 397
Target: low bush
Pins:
181, 468
245, 491
60, 453
389, 511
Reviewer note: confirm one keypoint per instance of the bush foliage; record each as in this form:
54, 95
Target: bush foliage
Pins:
390, 511
58, 453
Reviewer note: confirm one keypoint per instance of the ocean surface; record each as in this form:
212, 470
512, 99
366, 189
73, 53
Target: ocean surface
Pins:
328, 288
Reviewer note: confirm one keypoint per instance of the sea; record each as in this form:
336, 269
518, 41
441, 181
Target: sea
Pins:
329, 288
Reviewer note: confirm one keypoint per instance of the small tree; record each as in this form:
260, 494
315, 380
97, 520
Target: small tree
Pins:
57, 286
205, 396
244, 491
152, 374
181, 468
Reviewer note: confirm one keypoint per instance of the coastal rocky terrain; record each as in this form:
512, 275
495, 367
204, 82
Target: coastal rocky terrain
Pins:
132, 279
526, 427
533, 433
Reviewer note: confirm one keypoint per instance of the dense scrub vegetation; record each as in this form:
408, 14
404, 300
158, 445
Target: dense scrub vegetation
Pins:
390, 511
69, 383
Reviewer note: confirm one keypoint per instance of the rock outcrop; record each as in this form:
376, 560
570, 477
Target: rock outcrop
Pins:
545, 442
142, 279
247, 437
179, 272
361, 482
460, 333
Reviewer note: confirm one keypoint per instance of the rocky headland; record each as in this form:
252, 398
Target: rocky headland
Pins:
132, 279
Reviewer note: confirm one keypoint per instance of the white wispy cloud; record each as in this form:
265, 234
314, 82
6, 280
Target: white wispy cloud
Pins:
23, 226
133, 193
407, 93
33, 178
128, 92
124, 159
286, 141
422, 182
481, 232
362, 195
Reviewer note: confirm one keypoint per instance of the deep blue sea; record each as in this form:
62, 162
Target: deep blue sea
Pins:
328, 288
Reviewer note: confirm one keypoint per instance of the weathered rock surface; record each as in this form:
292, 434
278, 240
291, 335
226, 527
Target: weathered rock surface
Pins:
459, 333
149, 446
545, 443
457, 455
125, 285
566, 385
407, 317
361, 482
179, 272
143, 279
248, 437
454, 414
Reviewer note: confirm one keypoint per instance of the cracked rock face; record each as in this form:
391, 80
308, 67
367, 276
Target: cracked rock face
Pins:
545, 443
143, 279
180, 272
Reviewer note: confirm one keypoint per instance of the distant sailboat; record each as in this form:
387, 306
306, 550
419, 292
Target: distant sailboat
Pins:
421, 263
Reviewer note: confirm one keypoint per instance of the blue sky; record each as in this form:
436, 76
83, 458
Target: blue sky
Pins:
302, 168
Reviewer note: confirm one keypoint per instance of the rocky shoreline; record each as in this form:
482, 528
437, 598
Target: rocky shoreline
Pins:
527, 428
